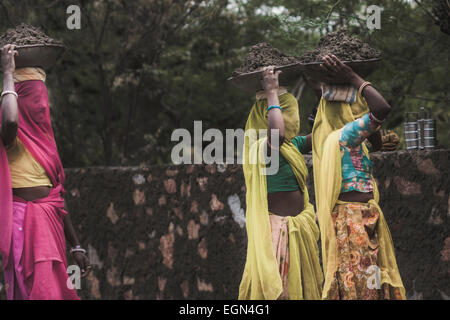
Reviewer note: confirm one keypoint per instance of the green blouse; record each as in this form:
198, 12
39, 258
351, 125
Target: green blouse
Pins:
284, 179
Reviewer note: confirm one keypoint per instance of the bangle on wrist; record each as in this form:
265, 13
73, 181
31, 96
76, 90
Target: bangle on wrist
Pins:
4, 93
273, 107
371, 115
77, 248
361, 88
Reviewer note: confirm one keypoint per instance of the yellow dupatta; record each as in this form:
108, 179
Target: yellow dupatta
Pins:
261, 278
330, 119
29, 73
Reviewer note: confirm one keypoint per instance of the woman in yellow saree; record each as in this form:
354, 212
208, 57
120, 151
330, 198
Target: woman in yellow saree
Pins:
282, 253
357, 249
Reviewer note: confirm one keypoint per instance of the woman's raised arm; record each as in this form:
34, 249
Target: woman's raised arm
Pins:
337, 72
10, 114
274, 116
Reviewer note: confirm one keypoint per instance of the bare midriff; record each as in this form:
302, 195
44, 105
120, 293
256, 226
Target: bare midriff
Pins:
285, 203
356, 196
32, 193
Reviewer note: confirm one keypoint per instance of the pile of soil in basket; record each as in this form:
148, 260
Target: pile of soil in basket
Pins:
263, 55
25, 34
343, 46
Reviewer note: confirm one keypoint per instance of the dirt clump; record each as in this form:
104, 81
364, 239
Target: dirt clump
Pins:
25, 34
263, 55
343, 46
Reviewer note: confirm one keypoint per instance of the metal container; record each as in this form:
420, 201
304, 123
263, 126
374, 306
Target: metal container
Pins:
429, 130
412, 130
251, 81
420, 128
362, 67
38, 55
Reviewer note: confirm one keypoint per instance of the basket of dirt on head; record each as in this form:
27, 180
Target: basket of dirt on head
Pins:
248, 76
35, 48
362, 58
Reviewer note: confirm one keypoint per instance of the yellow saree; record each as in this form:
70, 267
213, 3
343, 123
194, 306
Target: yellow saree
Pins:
330, 118
261, 279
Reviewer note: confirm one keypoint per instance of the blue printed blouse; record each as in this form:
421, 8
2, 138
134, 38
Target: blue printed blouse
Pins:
356, 166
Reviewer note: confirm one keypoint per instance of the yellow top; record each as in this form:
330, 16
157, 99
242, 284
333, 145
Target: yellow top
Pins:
25, 171
29, 73
261, 279
330, 119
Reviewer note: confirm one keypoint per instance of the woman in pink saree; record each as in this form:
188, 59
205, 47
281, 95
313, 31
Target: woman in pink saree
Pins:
33, 219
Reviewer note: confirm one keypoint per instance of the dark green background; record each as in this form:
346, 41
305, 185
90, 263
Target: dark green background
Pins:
139, 69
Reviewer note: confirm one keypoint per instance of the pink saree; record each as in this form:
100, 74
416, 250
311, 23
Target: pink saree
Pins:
43, 257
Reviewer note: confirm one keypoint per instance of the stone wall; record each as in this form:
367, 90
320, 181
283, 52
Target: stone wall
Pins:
178, 232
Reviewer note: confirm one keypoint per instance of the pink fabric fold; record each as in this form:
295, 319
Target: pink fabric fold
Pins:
44, 249
13, 272
35, 128
44, 231
6, 206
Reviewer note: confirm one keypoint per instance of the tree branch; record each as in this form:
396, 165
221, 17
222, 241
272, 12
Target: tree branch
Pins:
426, 11
5, 11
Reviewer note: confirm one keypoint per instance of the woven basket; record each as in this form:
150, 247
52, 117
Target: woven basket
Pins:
38, 55
361, 67
251, 81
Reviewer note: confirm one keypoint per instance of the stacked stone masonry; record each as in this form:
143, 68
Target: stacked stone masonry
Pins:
178, 232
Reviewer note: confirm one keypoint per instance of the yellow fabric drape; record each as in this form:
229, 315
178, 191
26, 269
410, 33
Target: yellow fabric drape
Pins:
261, 278
29, 73
330, 119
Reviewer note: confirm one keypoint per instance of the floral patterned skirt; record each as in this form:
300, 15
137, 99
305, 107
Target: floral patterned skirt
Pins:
357, 275
280, 241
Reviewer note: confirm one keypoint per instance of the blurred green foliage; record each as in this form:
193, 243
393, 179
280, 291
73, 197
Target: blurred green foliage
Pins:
139, 69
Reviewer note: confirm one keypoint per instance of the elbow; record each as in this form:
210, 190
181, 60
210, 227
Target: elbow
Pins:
387, 108
281, 140
10, 124
382, 111
9, 131
276, 136
281, 137
10, 117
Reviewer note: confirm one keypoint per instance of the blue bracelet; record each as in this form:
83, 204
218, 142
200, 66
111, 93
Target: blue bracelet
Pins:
271, 107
